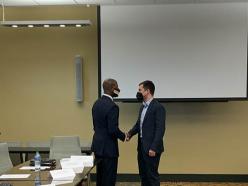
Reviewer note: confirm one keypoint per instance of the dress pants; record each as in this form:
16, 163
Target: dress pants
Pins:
148, 167
106, 171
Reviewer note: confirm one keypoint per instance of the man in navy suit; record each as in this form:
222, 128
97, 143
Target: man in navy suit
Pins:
105, 115
150, 127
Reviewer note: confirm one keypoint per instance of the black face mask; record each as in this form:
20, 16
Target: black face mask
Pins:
115, 93
139, 96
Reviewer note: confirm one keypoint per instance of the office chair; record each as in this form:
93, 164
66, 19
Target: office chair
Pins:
16, 158
64, 147
5, 162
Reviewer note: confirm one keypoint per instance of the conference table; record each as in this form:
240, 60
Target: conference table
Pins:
43, 148
44, 177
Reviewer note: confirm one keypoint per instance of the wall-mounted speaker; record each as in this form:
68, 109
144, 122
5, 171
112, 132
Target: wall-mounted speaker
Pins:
79, 77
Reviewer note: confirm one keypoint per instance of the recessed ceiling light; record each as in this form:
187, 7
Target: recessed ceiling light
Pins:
46, 23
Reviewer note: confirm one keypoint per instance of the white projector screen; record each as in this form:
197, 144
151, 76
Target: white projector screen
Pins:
189, 51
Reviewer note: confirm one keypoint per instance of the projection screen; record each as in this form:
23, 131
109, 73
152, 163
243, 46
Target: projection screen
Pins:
189, 51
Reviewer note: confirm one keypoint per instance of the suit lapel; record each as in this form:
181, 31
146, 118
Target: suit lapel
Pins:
148, 111
140, 111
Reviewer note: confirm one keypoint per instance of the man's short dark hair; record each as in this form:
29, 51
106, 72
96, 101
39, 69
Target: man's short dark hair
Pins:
148, 85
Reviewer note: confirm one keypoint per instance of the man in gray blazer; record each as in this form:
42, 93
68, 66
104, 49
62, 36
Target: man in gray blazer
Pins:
150, 128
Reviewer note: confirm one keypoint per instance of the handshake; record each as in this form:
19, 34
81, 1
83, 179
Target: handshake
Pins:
127, 136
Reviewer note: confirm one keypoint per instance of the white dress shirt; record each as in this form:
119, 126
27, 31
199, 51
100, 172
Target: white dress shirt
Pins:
143, 113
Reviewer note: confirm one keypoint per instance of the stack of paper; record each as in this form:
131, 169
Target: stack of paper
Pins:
57, 182
63, 175
14, 176
88, 161
68, 163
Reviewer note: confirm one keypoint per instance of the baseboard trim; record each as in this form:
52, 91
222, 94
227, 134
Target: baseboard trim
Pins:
185, 177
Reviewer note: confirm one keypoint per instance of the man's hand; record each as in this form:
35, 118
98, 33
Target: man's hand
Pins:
128, 137
152, 153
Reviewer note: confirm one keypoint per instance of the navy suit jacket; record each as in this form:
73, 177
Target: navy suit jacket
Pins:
105, 115
153, 127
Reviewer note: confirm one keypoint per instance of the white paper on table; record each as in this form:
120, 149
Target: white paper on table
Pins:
88, 161
64, 174
13, 176
68, 163
54, 183
33, 168
59, 182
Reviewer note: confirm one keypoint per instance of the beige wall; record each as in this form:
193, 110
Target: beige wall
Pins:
200, 138
37, 75
37, 91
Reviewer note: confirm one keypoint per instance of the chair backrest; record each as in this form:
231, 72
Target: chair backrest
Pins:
5, 162
38, 144
64, 147
13, 143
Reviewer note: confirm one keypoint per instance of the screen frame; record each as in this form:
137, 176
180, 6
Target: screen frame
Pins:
133, 100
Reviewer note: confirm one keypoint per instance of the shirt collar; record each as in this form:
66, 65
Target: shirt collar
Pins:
147, 103
108, 96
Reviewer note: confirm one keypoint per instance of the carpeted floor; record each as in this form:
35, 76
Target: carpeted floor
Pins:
203, 184
182, 184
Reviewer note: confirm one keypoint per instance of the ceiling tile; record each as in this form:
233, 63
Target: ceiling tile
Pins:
134, 2
56, 2
220, 1
108, 2
99, 2
174, 1
19, 3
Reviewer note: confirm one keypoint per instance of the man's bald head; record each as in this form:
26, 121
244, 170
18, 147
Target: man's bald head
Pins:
108, 86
